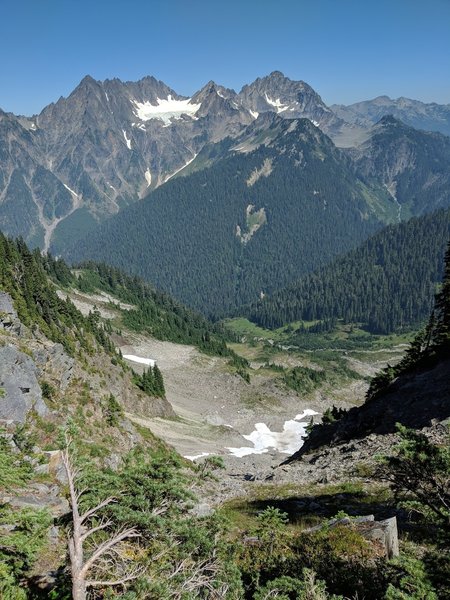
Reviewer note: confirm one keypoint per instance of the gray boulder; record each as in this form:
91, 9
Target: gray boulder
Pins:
20, 391
9, 320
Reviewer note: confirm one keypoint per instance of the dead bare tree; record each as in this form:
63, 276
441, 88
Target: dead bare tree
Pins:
105, 555
196, 578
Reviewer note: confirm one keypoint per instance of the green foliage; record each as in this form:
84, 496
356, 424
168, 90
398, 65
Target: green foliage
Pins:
343, 559
9, 586
22, 532
14, 471
389, 281
113, 411
151, 382
419, 472
24, 439
409, 580
304, 379
181, 556
156, 313
289, 588
48, 390
20, 546
429, 345
331, 415
24, 275
208, 466
261, 557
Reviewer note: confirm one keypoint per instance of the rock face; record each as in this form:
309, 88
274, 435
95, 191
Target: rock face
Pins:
20, 391
55, 360
9, 321
105, 146
289, 99
383, 532
416, 400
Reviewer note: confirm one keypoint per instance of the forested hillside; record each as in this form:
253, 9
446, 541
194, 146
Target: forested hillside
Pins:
24, 276
414, 165
414, 393
386, 284
149, 310
283, 203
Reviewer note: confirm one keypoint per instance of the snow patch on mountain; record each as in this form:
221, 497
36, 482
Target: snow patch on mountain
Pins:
195, 457
127, 140
140, 359
166, 109
70, 190
148, 177
180, 169
287, 441
279, 107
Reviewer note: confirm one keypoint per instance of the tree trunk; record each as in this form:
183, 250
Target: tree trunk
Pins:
78, 587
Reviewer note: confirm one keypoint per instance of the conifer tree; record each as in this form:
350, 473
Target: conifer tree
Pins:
159, 382
443, 305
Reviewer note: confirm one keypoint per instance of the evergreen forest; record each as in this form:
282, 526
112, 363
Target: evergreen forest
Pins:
386, 284
195, 237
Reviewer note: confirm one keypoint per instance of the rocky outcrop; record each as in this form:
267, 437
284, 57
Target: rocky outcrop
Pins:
20, 391
417, 400
53, 361
9, 321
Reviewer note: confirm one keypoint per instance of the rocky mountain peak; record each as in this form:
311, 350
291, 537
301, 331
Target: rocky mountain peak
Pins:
389, 121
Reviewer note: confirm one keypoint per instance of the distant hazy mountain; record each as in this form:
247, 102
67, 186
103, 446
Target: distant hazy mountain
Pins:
283, 201
431, 117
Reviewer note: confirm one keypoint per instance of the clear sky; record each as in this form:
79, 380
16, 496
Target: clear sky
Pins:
348, 50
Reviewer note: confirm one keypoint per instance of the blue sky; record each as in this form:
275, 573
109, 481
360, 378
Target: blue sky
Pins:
348, 50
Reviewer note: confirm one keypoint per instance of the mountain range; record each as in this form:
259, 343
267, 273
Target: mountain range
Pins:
280, 202
110, 143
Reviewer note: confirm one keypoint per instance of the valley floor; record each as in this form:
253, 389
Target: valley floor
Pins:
217, 411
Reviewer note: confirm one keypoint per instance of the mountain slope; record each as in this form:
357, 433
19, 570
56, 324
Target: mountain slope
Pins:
106, 145
49, 349
284, 201
415, 393
385, 284
413, 165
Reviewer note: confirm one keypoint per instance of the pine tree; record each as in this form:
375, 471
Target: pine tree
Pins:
443, 306
159, 382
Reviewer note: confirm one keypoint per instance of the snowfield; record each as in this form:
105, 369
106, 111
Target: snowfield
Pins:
127, 140
140, 359
287, 441
276, 104
166, 109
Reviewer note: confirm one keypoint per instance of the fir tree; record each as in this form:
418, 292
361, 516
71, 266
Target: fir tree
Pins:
443, 306
159, 382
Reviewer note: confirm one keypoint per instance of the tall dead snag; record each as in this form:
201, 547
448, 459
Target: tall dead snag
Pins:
105, 556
